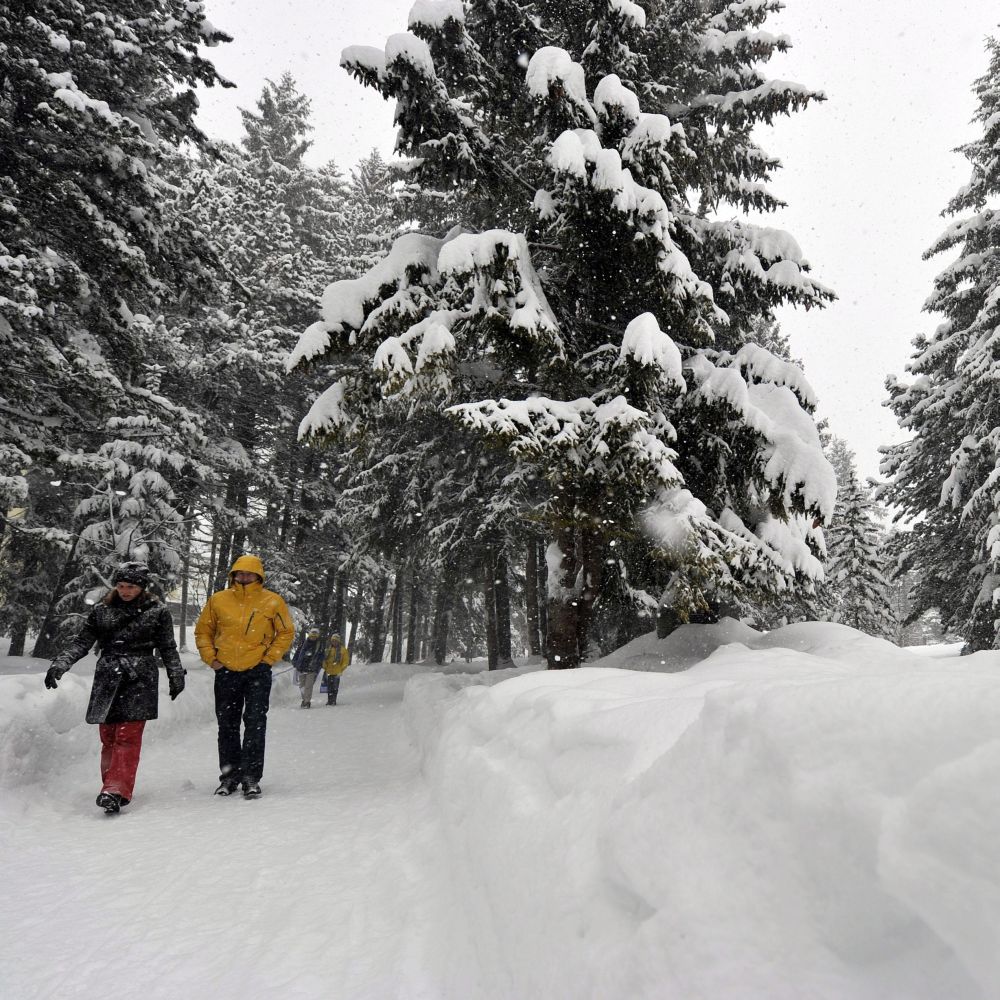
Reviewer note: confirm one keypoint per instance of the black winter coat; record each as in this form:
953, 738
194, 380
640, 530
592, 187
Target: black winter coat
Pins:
309, 657
126, 680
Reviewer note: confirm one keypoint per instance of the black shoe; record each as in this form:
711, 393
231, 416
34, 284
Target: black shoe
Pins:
227, 787
110, 802
251, 790
306, 704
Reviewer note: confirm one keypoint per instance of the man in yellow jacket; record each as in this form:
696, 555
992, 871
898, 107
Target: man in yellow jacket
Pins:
241, 633
337, 659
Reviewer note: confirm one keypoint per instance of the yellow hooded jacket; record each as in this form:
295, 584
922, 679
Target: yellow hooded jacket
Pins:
337, 660
244, 624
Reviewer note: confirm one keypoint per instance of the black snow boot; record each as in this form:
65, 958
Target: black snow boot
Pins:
110, 802
251, 790
227, 787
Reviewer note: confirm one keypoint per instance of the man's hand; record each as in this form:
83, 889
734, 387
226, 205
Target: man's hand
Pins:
216, 664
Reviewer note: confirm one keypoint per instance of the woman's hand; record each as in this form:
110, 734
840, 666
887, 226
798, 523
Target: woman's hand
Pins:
52, 676
175, 682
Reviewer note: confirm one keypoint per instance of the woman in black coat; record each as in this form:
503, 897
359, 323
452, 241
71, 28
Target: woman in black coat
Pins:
130, 624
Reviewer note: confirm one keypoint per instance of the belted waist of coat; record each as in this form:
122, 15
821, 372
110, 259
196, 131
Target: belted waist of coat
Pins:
144, 650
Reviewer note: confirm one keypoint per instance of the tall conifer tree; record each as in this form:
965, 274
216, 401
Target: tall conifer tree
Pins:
945, 476
592, 321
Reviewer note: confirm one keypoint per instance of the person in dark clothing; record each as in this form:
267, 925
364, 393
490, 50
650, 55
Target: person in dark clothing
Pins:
307, 661
130, 625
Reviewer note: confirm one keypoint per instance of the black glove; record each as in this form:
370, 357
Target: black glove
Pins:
175, 682
52, 676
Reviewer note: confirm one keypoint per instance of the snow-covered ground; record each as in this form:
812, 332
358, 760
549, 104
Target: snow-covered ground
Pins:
809, 814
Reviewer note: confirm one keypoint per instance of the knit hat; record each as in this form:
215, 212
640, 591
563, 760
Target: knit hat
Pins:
314, 632
133, 572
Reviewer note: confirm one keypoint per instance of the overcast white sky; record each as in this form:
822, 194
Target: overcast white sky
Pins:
866, 174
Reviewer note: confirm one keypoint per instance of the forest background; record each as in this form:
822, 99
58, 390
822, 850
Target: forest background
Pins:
149, 414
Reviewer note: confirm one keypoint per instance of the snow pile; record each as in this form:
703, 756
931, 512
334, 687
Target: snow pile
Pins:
805, 813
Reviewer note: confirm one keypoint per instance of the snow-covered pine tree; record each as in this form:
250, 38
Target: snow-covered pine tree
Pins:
280, 230
944, 477
373, 219
280, 124
94, 99
594, 322
856, 590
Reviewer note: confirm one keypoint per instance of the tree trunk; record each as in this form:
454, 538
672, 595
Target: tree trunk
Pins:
323, 614
592, 564
504, 653
398, 625
340, 605
412, 640
241, 507
225, 560
291, 483
18, 633
531, 596
490, 601
46, 631
377, 622
355, 618
543, 598
398, 596
185, 575
444, 600
563, 648
211, 557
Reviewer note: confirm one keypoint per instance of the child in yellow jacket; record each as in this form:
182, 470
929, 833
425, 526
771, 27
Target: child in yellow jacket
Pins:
337, 659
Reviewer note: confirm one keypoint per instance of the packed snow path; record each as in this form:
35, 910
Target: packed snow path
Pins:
805, 813
311, 891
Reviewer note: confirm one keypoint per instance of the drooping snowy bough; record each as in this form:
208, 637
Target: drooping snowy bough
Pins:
600, 338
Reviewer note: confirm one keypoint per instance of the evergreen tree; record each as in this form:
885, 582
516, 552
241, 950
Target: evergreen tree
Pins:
281, 232
374, 212
856, 591
94, 101
943, 478
280, 124
594, 326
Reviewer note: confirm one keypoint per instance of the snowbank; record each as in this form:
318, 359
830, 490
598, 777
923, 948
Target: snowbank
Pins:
809, 813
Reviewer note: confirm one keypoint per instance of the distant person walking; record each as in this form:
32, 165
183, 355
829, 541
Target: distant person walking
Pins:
336, 661
130, 625
307, 661
241, 633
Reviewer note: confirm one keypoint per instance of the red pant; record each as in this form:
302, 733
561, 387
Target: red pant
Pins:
121, 744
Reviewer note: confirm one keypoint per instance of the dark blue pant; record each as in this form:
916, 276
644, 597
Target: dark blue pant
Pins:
245, 693
332, 687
